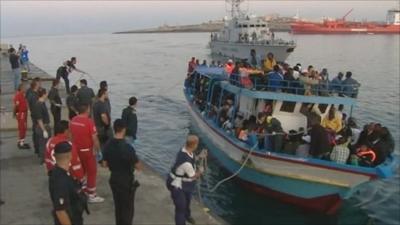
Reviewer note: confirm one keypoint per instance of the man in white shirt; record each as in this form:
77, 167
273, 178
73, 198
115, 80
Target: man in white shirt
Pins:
181, 180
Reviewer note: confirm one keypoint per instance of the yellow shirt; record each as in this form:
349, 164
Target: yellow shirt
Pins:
335, 124
269, 64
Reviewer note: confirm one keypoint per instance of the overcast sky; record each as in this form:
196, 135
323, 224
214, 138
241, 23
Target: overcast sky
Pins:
31, 18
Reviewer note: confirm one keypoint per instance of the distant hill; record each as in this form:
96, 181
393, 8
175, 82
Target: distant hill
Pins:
275, 23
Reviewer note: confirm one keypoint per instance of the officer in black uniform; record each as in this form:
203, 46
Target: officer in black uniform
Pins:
121, 159
65, 193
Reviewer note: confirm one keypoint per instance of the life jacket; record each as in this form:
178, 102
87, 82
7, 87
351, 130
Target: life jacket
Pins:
369, 154
229, 68
188, 185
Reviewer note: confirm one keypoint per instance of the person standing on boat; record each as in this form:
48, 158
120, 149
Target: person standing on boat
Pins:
181, 180
191, 65
72, 102
336, 84
350, 86
254, 60
269, 63
15, 66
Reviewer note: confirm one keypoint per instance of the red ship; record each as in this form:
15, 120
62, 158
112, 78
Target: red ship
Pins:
341, 26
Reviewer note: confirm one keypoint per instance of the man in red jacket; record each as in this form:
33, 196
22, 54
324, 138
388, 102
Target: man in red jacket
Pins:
20, 113
84, 138
62, 135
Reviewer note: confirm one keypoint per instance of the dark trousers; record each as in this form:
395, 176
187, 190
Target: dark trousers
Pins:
56, 112
182, 205
34, 139
41, 140
66, 81
124, 195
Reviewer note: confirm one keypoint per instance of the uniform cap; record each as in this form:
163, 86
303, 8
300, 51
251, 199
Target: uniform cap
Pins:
62, 147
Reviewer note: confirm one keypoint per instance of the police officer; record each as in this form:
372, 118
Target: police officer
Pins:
121, 159
181, 180
68, 202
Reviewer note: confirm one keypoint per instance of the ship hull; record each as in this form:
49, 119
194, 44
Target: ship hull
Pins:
242, 50
305, 28
279, 178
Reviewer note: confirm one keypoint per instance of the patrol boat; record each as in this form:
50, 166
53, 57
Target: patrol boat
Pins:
310, 183
242, 33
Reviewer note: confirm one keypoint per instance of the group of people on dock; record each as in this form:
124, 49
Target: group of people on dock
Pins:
89, 137
329, 136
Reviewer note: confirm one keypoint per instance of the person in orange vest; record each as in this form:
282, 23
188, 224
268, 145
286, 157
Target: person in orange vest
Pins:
61, 134
20, 113
366, 156
229, 67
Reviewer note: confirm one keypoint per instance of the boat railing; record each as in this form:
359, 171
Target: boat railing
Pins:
277, 42
298, 87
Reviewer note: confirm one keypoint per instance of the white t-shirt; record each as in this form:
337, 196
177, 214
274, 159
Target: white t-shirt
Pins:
184, 169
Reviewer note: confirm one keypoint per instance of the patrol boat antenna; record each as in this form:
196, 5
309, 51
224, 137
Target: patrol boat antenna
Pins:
235, 8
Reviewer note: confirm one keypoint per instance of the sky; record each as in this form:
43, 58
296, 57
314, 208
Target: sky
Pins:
41, 18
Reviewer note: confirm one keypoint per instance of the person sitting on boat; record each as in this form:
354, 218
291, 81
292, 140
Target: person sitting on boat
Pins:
350, 86
366, 156
303, 150
340, 153
275, 79
381, 145
292, 143
248, 134
336, 84
319, 145
269, 63
307, 81
275, 136
367, 135
332, 121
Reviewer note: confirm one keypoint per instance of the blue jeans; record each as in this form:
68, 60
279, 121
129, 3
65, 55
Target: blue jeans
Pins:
17, 77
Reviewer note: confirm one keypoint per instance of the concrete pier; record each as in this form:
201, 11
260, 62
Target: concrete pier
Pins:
24, 183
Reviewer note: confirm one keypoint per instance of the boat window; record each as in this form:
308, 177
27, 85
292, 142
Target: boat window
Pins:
252, 25
258, 25
244, 25
322, 108
263, 25
240, 25
288, 107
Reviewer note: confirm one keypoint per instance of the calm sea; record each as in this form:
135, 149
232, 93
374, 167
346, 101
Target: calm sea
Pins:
153, 66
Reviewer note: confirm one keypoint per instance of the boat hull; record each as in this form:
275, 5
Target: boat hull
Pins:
242, 50
310, 28
313, 195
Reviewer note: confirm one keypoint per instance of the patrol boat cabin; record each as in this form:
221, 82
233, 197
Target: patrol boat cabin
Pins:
242, 33
224, 113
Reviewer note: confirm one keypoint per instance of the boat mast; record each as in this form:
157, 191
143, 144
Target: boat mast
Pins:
235, 8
